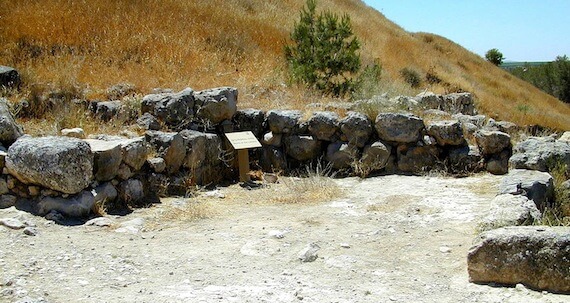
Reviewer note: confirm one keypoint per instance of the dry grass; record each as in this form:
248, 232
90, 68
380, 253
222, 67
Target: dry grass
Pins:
202, 44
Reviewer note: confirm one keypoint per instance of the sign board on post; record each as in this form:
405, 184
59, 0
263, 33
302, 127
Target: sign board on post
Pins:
242, 141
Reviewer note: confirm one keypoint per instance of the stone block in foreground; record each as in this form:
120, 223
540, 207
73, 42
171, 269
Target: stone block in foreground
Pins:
536, 256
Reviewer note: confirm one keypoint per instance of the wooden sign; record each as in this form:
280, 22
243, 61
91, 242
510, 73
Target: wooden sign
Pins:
243, 140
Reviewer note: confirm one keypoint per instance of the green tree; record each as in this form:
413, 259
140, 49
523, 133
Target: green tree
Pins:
494, 56
324, 51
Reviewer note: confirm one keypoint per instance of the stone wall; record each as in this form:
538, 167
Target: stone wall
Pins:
183, 146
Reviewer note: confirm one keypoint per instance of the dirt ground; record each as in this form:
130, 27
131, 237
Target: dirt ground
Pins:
382, 239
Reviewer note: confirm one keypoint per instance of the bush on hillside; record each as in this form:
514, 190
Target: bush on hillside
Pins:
411, 77
324, 54
494, 56
552, 77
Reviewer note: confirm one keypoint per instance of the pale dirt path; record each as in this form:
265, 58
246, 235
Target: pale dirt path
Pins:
390, 239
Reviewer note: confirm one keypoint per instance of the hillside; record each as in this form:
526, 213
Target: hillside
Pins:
200, 44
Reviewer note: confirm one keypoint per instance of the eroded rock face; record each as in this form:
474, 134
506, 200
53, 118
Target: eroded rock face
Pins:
10, 131
217, 104
172, 108
400, 128
59, 163
536, 256
324, 125
134, 152
356, 129
537, 153
283, 121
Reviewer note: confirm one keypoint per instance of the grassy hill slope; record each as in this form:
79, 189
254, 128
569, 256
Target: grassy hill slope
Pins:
177, 43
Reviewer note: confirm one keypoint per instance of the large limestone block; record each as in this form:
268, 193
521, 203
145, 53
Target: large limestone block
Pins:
375, 156
217, 104
536, 256
59, 163
172, 108
492, 142
446, 132
107, 158
356, 129
75, 206
324, 125
510, 210
302, 148
342, 155
250, 120
538, 153
400, 128
283, 121
537, 186
135, 152
170, 147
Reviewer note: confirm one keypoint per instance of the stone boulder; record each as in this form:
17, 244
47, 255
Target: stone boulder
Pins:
342, 155
104, 193
498, 164
148, 122
417, 159
492, 142
399, 128
217, 104
510, 210
272, 139
283, 121
10, 131
536, 256
250, 120
537, 186
196, 144
446, 132
537, 153
107, 158
273, 159
134, 152
170, 147
477, 120
79, 205
565, 137
171, 108
374, 157
107, 110
302, 148
465, 159
131, 191
429, 100
324, 125
9, 77
459, 103
59, 163
356, 129
73, 133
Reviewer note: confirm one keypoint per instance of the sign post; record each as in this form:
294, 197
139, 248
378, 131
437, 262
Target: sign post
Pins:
242, 141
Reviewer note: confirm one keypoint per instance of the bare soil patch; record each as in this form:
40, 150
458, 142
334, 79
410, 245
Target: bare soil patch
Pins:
382, 239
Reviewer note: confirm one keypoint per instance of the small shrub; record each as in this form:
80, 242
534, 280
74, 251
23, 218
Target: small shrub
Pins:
411, 76
432, 77
368, 83
324, 54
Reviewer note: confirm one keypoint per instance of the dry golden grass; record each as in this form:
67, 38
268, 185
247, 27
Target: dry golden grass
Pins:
209, 43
